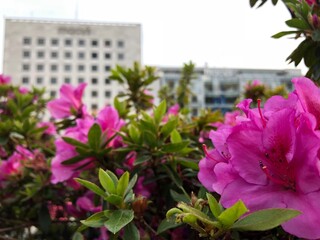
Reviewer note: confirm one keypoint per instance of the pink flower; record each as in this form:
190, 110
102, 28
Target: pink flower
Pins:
50, 128
69, 103
269, 159
4, 79
311, 2
172, 111
23, 90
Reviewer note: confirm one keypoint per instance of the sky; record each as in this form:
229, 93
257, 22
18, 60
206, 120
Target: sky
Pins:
216, 33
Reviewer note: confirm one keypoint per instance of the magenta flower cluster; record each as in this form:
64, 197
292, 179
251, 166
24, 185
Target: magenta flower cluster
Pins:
269, 158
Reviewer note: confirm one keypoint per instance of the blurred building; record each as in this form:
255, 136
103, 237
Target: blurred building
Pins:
48, 53
218, 88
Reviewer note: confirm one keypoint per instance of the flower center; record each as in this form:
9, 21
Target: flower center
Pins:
278, 171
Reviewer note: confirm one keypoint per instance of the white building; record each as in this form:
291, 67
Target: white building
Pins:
48, 53
218, 88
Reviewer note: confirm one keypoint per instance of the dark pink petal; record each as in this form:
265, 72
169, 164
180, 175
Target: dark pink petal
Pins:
59, 108
225, 174
245, 147
309, 95
306, 225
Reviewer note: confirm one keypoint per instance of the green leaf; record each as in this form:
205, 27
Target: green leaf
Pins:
77, 236
169, 127
113, 177
74, 142
274, 2
131, 232
94, 137
93, 187
232, 214
106, 182
253, 2
265, 219
114, 199
74, 159
123, 184
149, 138
118, 219
284, 33
141, 159
131, 184
160, 111
175, 136
316, 35
167, 224
134, 133
95, 221
179, 197
215, 207
174, 147
298, 23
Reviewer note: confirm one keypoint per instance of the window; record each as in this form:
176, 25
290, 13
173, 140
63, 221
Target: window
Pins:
39, 80
40, 67
54, 54
40, 54
25, 67
94, 43
54, 67
26, 54
94, 68
54, 42
194, 112
94, 106
67, 54
107, 55
80, 68
67, 80
94, 94
94, 55
67, 42
53, 94
81, 55
25, 80
26, 41
107, 68
120, 44
107, 94
107, 81
120, 56
67, 67
41, 41
94, 80
53, 80
107, 43
80, 80
81, 42
194, 99
208, 86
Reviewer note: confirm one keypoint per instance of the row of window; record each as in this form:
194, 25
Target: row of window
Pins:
94, 94
70, 42
68, 55
54, 80
66, 67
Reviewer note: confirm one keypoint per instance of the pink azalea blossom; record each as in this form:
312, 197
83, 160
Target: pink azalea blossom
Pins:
50, 128
23, 90
4, 79
172, 111
270, 159
69, 103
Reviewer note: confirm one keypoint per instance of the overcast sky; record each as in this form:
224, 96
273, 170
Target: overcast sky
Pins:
219, 33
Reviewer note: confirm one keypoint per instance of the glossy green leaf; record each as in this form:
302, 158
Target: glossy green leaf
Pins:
232, 214
91, 186
214, 206
160, 111
175, 136
131, 232
284, 33
94, 136
265, 219
117, 219
77, 236
106, 182
298, 23
134, 133
167, 224
123, 184
75, 142
95, 221
169, 127
174, 147
131, 184
114, 199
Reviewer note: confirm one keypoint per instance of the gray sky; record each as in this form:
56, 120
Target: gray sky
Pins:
221, 33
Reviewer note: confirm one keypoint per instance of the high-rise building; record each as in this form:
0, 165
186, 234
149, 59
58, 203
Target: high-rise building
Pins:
218, 88
48, 53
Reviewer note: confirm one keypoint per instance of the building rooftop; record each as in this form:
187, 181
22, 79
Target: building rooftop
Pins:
69, 22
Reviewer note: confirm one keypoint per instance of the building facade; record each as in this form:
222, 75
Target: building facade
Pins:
218, 88
48, 53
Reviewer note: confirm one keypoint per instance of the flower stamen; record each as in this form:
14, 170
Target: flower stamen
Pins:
264, 122
206, 153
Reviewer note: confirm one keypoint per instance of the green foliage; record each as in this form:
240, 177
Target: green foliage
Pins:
136, 81
220, 222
